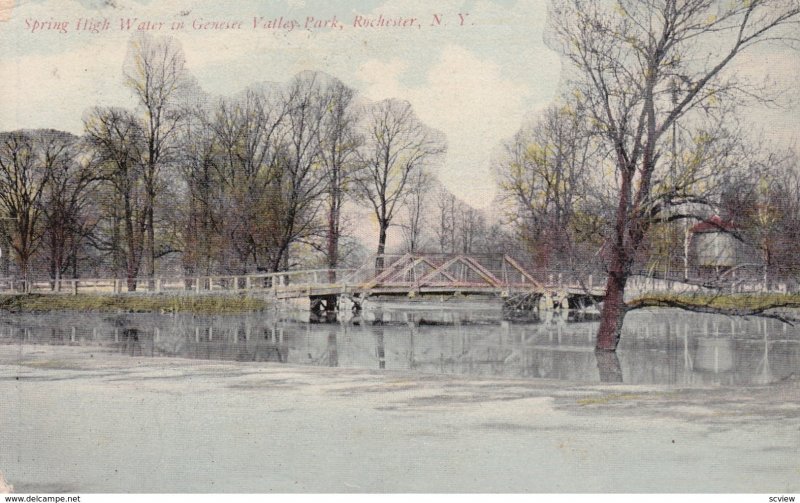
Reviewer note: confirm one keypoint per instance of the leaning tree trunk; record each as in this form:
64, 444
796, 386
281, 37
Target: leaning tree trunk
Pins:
614, 308
612, 313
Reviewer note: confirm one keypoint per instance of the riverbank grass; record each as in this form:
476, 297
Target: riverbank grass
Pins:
745, 302
198, 304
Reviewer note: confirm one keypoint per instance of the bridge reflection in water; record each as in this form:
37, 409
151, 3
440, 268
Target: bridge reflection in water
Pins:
657, 347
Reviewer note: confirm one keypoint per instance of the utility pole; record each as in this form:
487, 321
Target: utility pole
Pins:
674, 169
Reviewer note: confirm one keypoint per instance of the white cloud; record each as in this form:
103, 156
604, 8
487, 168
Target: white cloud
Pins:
477, 107
382, 78
467, 98
53, 91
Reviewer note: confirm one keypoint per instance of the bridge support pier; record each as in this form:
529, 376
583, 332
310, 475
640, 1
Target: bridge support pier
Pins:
324, 308
522, 306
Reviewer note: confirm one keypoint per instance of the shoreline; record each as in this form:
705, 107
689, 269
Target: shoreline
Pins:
133, 302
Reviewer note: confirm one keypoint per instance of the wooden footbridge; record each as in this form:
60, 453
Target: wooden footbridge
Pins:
417, 275
413, 274
409, 275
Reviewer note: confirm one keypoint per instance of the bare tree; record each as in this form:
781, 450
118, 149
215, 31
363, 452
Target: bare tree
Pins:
639, 66
26, 162
416, 206
68, 219
202, 232
544, 182
271, 168
459, 227
155, 72
471, 229
397, 145
775, 187
338, 146
249, 131
118, 140
763, 206
778, 217
301, 180
445, 227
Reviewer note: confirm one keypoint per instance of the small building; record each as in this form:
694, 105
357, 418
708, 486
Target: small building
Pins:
716, 246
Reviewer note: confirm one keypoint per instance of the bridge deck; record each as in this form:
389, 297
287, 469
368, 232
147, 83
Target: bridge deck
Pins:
322, 290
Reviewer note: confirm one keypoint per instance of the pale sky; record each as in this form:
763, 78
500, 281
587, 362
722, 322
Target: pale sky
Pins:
477, 82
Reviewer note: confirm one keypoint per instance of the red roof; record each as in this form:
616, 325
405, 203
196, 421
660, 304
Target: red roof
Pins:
714, 224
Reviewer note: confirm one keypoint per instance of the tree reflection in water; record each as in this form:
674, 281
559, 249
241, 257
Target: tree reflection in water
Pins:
658, 347
608, 366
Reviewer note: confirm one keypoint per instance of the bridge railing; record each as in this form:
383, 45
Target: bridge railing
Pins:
409, 271
468, 270
180, 284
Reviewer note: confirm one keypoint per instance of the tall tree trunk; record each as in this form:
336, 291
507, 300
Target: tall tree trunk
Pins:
151, 245
379, 260
116, 242
53, 267
132, 251
23, 266
333, 240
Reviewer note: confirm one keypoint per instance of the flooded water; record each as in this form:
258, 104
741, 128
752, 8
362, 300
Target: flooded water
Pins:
664, 347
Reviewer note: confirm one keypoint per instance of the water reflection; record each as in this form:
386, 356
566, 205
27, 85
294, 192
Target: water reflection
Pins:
657, 347
608, 366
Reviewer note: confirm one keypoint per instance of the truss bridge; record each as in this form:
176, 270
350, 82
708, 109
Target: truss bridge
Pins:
425, 275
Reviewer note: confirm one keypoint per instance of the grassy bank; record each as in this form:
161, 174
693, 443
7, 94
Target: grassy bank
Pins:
201, 304
744, 302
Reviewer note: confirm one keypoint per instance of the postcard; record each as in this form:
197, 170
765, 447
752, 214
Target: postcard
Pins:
384, 246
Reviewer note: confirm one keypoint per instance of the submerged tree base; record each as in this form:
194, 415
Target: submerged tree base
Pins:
206, 304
